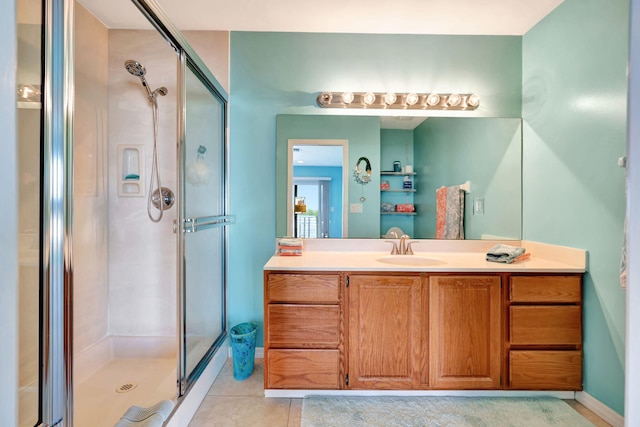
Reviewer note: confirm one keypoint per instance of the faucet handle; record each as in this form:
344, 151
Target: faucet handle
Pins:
394, 249
409, 251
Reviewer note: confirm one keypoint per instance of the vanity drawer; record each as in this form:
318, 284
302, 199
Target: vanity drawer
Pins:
303, 369
545, 325
303, 288
303, 326
545, 370
545, 289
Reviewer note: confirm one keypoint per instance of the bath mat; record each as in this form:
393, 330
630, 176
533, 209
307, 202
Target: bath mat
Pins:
153, 416
350, 411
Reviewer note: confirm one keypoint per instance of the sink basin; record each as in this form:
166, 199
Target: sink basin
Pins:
410, 260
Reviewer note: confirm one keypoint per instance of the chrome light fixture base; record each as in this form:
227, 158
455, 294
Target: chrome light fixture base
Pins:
399, 101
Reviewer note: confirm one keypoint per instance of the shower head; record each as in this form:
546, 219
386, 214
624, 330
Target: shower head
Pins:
135, 68
138, 70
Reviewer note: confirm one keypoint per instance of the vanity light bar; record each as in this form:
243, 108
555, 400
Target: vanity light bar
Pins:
399, 101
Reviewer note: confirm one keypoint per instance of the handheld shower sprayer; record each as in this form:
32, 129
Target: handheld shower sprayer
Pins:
137, 69
160, 197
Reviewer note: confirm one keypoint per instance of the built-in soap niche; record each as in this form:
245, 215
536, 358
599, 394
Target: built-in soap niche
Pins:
130, 170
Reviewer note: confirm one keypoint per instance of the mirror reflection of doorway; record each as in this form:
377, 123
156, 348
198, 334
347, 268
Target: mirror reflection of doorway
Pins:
314, 222
317, 177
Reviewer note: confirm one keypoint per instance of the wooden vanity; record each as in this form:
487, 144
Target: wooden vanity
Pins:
422, 330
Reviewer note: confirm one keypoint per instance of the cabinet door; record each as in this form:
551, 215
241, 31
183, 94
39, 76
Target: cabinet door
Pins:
464, 332
384, 331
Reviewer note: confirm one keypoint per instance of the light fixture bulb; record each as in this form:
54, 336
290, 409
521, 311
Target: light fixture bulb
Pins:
390, 98
454, 100
324, 98
433, 99
368, 98
347, 97
411, 99
473, 100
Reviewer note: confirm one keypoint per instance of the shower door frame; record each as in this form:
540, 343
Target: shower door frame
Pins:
187, 378
56, 217
188, 58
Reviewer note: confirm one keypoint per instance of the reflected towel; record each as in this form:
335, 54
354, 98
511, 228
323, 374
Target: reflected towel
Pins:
505, 253
450, 213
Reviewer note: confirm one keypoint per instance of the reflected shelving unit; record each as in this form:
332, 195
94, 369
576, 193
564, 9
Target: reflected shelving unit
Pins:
396, 186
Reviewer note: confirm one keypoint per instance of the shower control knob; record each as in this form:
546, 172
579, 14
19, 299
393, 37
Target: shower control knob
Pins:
168, 198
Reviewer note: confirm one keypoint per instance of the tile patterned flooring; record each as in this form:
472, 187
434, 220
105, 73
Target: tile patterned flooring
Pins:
231, 403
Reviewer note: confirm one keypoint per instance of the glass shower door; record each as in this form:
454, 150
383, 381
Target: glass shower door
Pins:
29, 117
203, 231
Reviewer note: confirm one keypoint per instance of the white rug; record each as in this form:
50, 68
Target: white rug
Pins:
350, 411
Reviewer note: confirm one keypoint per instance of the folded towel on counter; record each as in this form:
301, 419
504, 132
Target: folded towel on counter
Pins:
505, 253
522, 257
289, 242
289, 252
289, 246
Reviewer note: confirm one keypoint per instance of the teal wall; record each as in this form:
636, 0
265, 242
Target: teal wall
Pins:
335, 192
282, 73
574, 110
363, 134
485, 151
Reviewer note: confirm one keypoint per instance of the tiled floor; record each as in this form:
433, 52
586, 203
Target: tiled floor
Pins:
232, 403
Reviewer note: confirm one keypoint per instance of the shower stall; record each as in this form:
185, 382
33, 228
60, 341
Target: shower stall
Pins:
123, 214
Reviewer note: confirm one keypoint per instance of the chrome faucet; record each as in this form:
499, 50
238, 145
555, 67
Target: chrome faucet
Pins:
394, 249
403, 244
403, 248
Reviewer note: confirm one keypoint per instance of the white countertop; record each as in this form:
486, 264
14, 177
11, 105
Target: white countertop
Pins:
461, 256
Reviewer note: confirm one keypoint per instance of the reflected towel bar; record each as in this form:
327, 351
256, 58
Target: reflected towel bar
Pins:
466, 186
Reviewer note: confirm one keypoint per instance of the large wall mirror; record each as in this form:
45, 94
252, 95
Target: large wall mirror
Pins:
435, 152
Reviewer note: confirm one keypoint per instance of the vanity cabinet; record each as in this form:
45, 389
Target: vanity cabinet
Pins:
544, 343
464, 332
419, 330
385, 316
303, 330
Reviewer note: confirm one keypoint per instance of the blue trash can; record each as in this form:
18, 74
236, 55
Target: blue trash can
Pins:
243, 346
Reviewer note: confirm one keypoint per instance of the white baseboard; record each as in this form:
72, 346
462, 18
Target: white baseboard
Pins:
600, 409
297, 394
